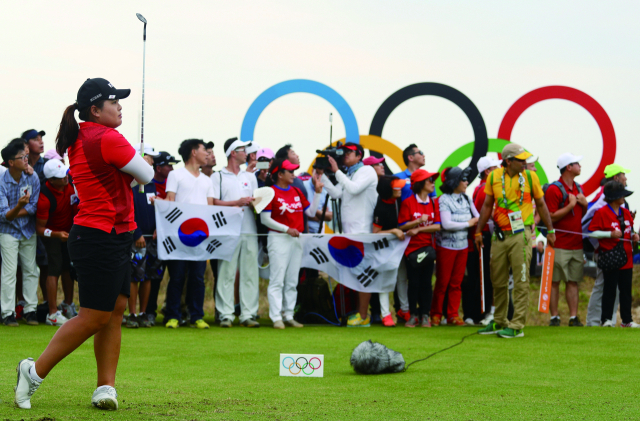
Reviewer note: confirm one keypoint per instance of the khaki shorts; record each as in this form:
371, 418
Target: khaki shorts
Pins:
568, 265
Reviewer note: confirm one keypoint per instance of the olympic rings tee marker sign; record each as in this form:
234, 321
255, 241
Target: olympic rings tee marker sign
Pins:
301, 365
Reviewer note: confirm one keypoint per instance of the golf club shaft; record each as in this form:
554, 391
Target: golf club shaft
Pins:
144, 54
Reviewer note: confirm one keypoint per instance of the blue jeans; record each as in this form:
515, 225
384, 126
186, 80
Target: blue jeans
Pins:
195, 287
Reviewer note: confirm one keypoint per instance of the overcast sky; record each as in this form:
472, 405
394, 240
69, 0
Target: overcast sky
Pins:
207, 61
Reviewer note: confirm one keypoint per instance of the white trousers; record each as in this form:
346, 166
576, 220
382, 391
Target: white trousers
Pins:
245, 256
594, 309
12, 249
285, 256
402, 286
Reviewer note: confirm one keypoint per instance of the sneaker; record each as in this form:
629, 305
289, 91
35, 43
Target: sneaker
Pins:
25, 386
143, 320
105, 397
487, 319
152, 319
132, 321
412, 322
426, 322
404, 315
293, 323
575, 322
355, 320
172, 324
376, 319
469, 321
56, 319
226, 323
509, 333
555, 321
436, 320
200, 324
455, 321
630, 324
10, 321
250, 323
608, 323
387, 321
30, 318
491, 329
68, 310
279, 324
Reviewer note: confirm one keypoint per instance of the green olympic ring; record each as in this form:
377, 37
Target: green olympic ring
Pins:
466, 151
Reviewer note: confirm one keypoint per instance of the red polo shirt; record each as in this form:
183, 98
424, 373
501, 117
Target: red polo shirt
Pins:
62, 218
106, 198
571, 221
287, 207
605, 219
410, 210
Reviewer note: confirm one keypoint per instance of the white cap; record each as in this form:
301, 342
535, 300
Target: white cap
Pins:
148, 150
254, 147
237, 144
486, 162
532, 159
54, 168
566, 159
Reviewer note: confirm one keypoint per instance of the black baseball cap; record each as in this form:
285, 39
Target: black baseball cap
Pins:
98, 89
209, 145
32, 134
165, 158
614, 190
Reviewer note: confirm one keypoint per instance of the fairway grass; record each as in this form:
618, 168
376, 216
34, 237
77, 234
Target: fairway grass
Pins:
232, 374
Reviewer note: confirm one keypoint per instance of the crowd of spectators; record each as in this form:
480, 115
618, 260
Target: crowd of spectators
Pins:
447, 230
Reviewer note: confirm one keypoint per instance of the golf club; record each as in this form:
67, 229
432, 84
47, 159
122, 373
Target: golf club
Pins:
144, 53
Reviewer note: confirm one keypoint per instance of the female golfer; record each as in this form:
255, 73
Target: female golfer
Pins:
103, 165
284, 215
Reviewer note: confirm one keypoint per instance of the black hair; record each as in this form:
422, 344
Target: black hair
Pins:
407, 152
69, 129
384, 189
283, 152
208, 145
187, 146
272, 176
359, 148
12, 149
418, 186
562, 170
228, 143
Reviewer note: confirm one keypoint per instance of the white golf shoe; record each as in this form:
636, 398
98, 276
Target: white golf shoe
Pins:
56, 319
25, 386
105, 397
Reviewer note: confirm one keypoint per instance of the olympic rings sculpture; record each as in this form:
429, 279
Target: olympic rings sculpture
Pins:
301, 368
479, 147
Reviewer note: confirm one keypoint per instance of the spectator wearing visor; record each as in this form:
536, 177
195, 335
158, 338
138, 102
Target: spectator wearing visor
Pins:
188, 185
252, 156
289, 154
512, 190
567, 204
612, 172
457, 215
413, 158
471, 293
233, 186
357, 189
57, 205
612, 225
420, 218
18, 204
283, 218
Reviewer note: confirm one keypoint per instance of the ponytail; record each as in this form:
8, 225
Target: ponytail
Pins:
69, 129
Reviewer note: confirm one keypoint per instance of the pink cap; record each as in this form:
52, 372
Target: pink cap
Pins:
265, 153
52, 154
372, 160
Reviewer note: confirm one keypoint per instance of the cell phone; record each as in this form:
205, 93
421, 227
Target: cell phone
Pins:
262, 165
25, 190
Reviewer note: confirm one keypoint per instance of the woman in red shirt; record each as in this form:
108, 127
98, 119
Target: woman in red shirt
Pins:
611, 223
103, 165
421, 219
284, 215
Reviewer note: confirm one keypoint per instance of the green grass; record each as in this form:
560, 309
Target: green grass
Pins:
551, 373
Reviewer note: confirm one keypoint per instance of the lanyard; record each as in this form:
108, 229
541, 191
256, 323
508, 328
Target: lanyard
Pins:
504, 194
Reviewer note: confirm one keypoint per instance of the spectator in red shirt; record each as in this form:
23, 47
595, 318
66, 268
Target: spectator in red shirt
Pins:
57, 204
162, 166
420, 218
567, 205
103, 165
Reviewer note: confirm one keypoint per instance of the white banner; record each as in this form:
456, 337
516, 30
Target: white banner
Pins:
364, 262
197, 232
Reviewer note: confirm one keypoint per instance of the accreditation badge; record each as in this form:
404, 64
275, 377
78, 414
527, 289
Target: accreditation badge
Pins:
515, 219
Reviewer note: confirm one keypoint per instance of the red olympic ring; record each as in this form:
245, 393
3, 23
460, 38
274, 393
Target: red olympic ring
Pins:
315, 358
580, 98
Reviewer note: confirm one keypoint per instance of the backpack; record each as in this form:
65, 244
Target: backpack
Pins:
565, 195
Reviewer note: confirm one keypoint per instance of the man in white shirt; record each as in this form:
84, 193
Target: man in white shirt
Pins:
188, 185
234, 187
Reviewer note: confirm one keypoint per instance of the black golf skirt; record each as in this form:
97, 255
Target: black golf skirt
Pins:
102, 262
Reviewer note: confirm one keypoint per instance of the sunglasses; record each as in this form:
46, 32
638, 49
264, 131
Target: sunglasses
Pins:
431, 179
417, 152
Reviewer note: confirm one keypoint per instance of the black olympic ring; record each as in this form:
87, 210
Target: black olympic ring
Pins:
481, 143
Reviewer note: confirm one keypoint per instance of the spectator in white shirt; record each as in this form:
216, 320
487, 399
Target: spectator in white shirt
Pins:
234, 187
188, 185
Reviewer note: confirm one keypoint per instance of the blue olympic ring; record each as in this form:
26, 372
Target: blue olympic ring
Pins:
294, 86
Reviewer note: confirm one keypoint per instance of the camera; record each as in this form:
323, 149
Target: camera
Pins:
262, 165
322, 162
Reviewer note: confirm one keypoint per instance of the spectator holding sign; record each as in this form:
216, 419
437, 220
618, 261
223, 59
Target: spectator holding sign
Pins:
284, 215
188, 185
